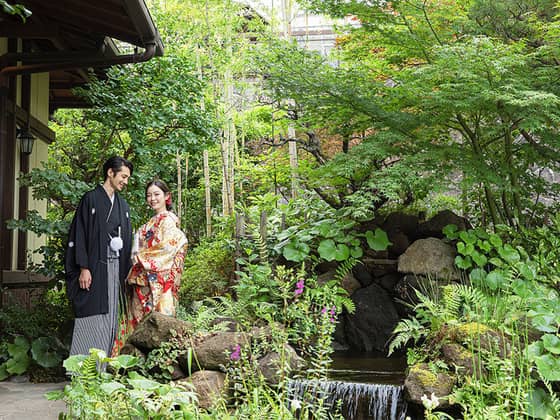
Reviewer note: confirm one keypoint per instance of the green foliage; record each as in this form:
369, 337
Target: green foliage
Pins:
34, 341
406, 330
161, 363
254, 397
506, 291
208, 270
22, 354
97, 395
421, 83
318, 232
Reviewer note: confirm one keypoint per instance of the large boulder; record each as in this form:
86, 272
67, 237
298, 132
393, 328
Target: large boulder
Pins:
209, 386
479, 336
421, 381
406, 288
430, 257
399, 243
155, 329
214, 351
389, 281
401, 222
434, 226
371, 325
361, 273
465, 362
272, 363
378, 267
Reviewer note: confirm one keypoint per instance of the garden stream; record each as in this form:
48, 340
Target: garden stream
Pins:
368, 387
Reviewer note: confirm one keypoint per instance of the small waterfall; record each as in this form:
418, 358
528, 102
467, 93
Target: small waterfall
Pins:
360, 401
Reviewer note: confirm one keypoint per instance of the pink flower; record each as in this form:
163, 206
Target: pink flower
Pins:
299, 287
236, 353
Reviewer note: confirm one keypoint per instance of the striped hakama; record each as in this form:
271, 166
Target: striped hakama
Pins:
99, 331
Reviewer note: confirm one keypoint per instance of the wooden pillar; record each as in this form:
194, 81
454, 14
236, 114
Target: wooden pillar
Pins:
7, 163
24, 169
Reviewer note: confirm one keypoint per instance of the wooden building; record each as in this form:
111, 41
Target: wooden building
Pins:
42, 58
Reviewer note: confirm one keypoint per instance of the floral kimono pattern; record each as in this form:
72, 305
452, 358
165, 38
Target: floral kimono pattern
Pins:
155, 276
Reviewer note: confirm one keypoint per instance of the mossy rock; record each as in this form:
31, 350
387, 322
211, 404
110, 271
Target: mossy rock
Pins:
422, 381
481, 337
465, 362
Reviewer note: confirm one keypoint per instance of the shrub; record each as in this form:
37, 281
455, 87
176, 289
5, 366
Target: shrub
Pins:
208, 270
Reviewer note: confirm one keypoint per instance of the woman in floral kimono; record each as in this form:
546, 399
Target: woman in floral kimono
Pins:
157, 257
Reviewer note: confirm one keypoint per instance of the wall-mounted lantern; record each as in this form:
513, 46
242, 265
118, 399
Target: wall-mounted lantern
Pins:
26, 140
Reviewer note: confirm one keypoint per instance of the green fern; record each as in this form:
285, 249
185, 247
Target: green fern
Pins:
554, 399
406, 330
451, 301
344, 268
471, 297
263, 249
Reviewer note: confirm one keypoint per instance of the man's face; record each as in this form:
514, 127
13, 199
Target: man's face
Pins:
119, 180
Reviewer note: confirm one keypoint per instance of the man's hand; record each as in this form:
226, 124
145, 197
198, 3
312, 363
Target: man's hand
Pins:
85, 278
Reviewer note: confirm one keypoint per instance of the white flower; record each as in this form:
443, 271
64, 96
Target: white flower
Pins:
295, 404
430, 403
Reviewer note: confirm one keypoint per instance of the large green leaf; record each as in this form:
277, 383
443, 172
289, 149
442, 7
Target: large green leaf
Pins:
527, 271
495, 280
327, 249
73, 363
110, 387
463, 263
125, 361
342, 252
522, 288
378, 241
296, 251
468, 237
477, 276
509, 254
356, 252
495, 240
144, 384
44, 352
4, 372
549, 367
450, 231
19, 346
18, 365
479, 259
551, 342
539, 405
545, 322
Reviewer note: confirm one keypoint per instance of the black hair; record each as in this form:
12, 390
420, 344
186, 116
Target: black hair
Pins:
116, 163
162, 186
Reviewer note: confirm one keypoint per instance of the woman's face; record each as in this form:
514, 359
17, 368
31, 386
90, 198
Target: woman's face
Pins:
156, 199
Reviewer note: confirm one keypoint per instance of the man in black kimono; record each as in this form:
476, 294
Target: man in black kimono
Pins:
97, 259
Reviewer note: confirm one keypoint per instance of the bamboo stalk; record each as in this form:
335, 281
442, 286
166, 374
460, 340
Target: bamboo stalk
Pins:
292, 150
179, 187
186, 182
207, 193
